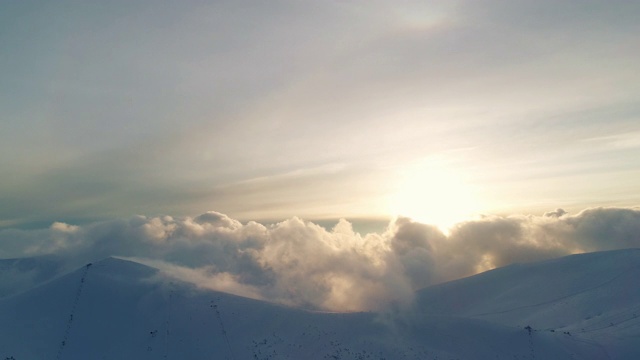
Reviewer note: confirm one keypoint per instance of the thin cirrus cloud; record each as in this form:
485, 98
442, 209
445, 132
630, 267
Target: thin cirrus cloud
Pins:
112, 109
300, 263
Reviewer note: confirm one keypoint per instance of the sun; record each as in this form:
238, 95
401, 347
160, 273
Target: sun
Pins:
433, 193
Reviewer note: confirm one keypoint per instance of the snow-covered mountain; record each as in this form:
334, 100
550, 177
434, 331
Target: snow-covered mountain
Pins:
577, 307
593, 297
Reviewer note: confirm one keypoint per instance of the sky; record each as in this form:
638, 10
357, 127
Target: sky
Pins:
434, 110
336, 155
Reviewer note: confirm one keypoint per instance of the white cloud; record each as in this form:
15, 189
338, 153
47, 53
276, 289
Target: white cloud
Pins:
301, 263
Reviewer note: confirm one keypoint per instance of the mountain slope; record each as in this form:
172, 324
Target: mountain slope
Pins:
17, 275
117, 309
594, 297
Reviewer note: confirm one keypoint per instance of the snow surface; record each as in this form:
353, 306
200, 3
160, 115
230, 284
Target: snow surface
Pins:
18, 275
577, 307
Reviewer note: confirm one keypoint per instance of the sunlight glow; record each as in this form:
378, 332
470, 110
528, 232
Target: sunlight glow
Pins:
432, 192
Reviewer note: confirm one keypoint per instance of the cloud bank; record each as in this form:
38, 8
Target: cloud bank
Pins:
300, 263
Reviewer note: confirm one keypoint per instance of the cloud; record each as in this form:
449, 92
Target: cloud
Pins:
204, 277
300, 263
555, 213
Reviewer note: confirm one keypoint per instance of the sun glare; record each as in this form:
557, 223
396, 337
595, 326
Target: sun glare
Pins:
432, 193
